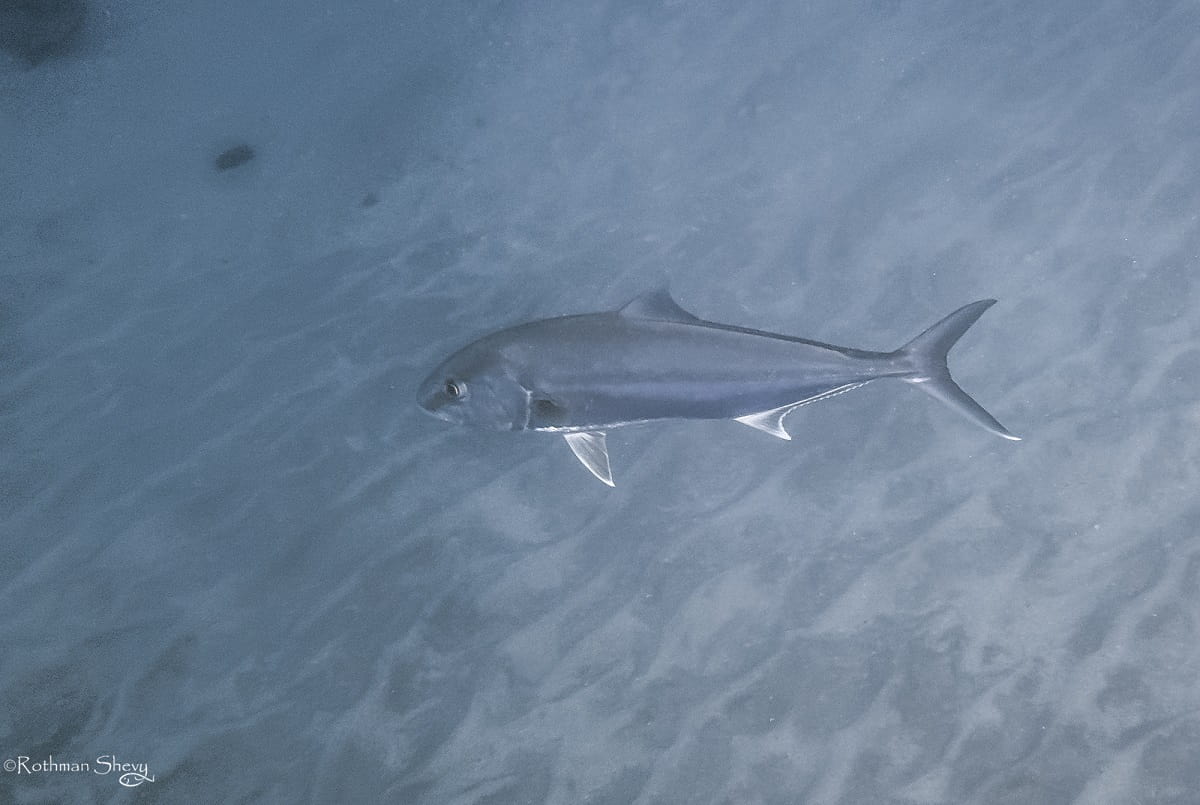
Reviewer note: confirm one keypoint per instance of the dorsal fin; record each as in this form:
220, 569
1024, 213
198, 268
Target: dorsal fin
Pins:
659, 306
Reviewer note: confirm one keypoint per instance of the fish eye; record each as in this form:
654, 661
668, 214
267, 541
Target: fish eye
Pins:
453, 390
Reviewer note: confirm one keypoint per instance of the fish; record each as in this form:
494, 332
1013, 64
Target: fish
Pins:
583, 375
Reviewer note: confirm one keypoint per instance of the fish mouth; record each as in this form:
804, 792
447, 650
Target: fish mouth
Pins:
431, 400
431, 409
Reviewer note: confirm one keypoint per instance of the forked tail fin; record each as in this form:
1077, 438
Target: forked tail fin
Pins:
927, 356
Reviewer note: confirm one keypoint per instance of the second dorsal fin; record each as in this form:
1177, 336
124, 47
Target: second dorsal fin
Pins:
657, 305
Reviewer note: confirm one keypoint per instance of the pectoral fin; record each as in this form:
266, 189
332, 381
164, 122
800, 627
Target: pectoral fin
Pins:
590, 449
772, 421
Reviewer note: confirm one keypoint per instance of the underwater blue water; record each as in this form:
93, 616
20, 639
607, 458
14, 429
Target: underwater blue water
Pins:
236, 555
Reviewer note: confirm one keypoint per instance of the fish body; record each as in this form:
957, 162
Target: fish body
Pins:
583, 375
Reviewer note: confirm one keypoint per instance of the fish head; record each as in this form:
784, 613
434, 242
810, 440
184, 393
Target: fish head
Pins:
476, 386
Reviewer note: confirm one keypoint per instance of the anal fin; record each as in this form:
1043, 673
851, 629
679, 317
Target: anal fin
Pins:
772, 421
590, 448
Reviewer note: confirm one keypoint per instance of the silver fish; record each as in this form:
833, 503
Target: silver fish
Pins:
583, 375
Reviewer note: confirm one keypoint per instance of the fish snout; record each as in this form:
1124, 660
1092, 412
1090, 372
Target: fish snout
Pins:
432, 399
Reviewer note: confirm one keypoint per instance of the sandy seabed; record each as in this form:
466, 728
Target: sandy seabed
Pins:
234, 550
